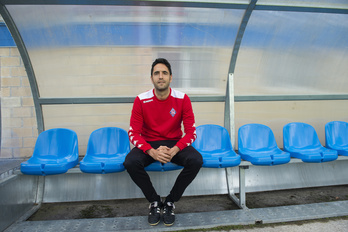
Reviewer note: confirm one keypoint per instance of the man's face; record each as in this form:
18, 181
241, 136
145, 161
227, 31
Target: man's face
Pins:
161, 77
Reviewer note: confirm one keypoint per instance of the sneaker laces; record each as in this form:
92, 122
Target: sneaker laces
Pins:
170, 207
154, 208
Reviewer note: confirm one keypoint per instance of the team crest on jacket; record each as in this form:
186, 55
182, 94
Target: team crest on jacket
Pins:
172, 112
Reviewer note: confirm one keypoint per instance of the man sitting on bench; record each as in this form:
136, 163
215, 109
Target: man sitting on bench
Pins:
155, 131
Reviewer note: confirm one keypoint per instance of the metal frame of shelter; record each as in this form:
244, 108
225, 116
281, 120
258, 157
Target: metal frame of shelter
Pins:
229, 98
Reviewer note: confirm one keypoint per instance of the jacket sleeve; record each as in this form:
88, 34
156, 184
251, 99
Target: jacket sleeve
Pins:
136, 125
189, 125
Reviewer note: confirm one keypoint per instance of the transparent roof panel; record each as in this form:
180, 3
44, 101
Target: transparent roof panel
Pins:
106, 51
290, 53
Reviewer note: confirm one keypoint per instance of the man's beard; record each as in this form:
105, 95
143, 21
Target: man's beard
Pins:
163, 88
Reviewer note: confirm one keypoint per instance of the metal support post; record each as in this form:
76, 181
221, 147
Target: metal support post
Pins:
242, 197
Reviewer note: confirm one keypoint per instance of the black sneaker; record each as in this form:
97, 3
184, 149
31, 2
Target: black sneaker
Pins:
168, 214
155, 213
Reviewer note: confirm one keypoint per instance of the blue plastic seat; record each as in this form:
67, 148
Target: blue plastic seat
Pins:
336, 137
301, 140
159, 167
106, 151
256, 144
55, 152
214, 144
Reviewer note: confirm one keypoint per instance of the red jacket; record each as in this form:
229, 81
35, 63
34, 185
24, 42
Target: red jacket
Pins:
153, 120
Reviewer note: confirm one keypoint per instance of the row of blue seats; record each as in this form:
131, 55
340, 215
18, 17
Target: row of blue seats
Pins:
56, 150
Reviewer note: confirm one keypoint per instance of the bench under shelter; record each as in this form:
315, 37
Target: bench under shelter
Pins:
267, 80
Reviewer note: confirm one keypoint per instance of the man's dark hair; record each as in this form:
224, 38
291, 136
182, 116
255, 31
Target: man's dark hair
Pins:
161, 61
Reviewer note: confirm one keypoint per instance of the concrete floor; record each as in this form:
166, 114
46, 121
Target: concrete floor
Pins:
200, 212
261, 219
332, 225
195, 204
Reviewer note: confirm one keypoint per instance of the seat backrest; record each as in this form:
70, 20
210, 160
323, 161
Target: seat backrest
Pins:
255, 137
336, 133
108, 141
212, 138
56, 142
300, 135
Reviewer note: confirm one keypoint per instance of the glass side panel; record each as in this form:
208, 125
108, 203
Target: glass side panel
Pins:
85, 118
106, 51
276, 114
215, 1
291, 53
340, 4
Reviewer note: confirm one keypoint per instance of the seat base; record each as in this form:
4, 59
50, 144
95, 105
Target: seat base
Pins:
43, 169
267, 159
159, 167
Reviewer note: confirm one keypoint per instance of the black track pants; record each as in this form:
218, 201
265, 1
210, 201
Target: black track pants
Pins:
137, 160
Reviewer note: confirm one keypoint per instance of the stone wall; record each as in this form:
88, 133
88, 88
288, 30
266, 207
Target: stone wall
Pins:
18, 120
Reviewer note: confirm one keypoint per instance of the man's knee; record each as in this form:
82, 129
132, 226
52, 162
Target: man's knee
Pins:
196, 161
130, 163
127, 163
136, 160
